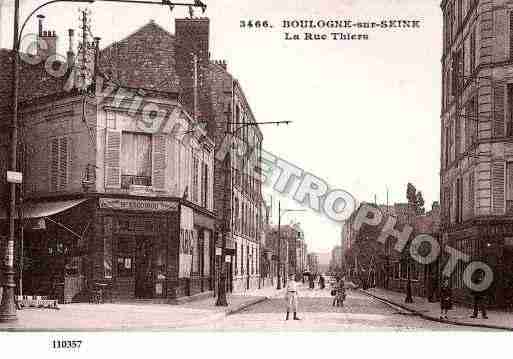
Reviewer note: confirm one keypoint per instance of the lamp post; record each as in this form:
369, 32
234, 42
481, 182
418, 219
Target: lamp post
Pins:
7, 305
280, 214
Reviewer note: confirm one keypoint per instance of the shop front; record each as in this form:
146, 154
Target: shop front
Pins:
128, 247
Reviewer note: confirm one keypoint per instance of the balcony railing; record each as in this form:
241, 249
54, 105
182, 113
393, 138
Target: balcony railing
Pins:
129, 180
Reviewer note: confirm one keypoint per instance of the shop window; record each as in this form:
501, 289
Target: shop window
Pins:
125, 266
135, 159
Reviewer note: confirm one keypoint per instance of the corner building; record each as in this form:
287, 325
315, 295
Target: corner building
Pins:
476, 177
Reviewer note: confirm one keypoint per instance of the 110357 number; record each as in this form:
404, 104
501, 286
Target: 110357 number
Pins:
66, 344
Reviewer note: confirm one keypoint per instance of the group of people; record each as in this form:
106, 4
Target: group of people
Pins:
446, 301
338, 292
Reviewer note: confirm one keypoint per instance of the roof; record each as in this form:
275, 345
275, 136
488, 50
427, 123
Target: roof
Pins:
34, 82
129, 63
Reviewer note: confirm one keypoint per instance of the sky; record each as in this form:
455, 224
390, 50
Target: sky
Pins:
365, 113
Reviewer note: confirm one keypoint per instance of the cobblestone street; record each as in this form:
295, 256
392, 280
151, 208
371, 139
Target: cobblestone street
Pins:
360, 313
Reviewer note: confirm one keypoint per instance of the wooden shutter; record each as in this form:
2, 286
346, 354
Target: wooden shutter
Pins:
112, 159
54, 164
498, 183
159, 162
498, 111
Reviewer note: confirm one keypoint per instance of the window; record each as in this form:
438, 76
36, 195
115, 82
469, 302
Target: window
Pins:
206, 253
471, 193
459, 201
135, 159
473, 51
509, 120
460, 13
235, 260
125, 265
242, 259
195, 252
447, 137
111, 120
59, 164
509, 187
204, 185
511, 34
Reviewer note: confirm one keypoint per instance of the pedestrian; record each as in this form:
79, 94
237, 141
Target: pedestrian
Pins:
445, 298
291, 296
479, 297
311, 280
322, 282
340, 293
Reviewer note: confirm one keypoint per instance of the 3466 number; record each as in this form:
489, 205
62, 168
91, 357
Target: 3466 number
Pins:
255, 24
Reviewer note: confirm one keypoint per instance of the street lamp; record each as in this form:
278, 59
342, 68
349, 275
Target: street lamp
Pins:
281, 213
7, 305
222, 301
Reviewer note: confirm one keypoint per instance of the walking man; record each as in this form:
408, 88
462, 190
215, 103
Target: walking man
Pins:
291, 297
479, 298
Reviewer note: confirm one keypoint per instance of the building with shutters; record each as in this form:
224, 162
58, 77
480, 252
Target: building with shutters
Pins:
118, 176
476, 176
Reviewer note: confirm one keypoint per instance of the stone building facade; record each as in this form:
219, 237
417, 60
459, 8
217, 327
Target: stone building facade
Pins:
118, 189
476, 175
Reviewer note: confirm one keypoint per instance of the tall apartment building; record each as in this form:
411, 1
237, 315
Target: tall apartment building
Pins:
476, 177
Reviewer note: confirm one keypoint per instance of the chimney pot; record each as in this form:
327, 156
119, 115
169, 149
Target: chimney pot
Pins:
40, 27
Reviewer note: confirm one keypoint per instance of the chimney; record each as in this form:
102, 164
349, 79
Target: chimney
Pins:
47, 41
70, 54
40, 17
192, 38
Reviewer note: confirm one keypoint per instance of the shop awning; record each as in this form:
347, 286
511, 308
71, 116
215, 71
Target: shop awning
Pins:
44, 209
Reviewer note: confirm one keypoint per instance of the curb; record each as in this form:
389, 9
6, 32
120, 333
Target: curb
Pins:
246, 305
434, 319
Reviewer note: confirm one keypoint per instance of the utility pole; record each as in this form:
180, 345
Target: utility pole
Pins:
8, 306
278, 286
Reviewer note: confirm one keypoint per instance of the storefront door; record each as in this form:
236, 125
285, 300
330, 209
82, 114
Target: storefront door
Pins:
144, 276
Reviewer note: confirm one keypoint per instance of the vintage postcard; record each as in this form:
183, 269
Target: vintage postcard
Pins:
206, 166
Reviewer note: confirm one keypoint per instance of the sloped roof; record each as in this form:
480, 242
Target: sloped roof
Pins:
34, 81
143, 60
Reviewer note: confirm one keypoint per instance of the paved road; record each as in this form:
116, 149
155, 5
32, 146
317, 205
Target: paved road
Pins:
359, 313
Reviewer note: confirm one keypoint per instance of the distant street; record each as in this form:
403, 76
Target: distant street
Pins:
360, 313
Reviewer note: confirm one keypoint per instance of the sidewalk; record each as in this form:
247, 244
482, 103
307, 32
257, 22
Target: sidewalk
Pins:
134, 316
459, 315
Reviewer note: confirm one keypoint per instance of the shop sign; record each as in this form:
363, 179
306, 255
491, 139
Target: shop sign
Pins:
138, 205
228, 259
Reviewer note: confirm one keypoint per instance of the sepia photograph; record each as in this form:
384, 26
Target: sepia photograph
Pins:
326, 168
